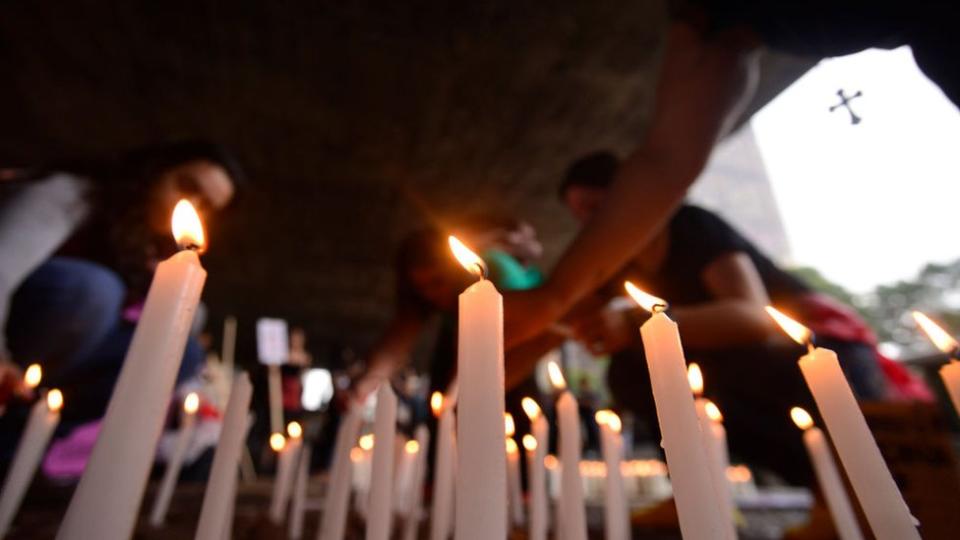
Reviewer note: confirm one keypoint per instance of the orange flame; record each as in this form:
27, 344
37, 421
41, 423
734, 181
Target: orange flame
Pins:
277, 442
531, 408
695, 377
713, 412
801, 418
32, 376
511, 446
509, 428
940, 338
610, 419
467, 258
294, 430
412, 447
191, 403
556, 376
54, 400
436, 403
366, 442
797, 332
529, 442
645, 300
187, 227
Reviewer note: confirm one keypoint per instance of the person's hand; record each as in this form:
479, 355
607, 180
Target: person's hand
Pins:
605, 330
11, 382
528, 313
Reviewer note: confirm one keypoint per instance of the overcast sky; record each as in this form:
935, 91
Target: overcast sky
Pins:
873, 202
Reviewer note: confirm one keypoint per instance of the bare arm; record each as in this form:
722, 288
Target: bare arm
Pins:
522, 360
390, 354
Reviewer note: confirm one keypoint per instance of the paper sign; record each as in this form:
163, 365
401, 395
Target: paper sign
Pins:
273, 341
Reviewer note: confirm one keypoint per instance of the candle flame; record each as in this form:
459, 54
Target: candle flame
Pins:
356, 454
191, 403
530, 442
366, 442
294, 430
797, 332
509, 427
412, 447
512, 446
556, 376
940, 338
801, 418
436, 403
466, 257
713, 412
32, 376
531, 408
277, 442
187, 227
550, 461
695, 377
610, 419
54, 400
645, 300
739, 474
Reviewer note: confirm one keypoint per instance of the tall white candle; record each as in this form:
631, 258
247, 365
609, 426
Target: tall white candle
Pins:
536, 447
298, 505
824, 467
949, 373
286, 472
412, 523
337, 501
380, 509
514, 489
878, 494
698, 507
106, 502
43, 420
442, 509
172, 472
481, 460
218, 499
404, 476
616, 512
571, 512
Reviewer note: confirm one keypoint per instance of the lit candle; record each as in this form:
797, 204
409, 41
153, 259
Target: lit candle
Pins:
337, 501
536, 445
404, 477
360, 461
298, 506
879, 497
380, 509
32, 376
571, 513
949, 373
442, 511
514, 490
219, 498
482, 463
714, 438
43, 420
698, 506
412, 524
818, 448
616, 513
107, 500
286, 469
172, 473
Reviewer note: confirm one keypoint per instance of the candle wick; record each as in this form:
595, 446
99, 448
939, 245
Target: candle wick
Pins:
482, 270
660, 308
189, 247
810, 346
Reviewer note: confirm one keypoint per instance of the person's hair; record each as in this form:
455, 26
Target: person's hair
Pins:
595, 170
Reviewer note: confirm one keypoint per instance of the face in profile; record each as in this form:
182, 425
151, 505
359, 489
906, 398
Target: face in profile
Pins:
204, 183
584, 202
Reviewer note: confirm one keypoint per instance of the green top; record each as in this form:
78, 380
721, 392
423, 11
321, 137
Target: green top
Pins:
508, 274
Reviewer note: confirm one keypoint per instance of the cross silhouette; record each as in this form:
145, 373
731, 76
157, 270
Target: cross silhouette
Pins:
845, 102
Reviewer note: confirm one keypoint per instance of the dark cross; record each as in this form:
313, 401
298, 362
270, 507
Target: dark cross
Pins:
845, 102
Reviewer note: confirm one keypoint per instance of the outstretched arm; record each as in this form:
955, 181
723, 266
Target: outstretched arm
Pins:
390, 354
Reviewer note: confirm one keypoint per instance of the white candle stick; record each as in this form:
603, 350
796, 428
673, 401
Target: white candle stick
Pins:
878, 494
380, 511
298, 506
404, 477
616, 512
442, 511
172, 472
412, 524
219, 497
828, 476
514, 488
536, 446
286, 472
698, 506
481, 460
334, 520
43, 420
107, 500
571, 513
949, 373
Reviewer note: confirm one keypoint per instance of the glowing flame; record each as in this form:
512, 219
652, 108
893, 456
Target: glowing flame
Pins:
356, 455
556, 376
512, 446
940, 338
801, 418
32, 376
277, 442
531, 408
191, 403
473, 263
294, 430
550, 461
695, 376
412, 447
645, 300
366, 442
436, 403
797, 332
713, 412
509, 427
529, 442
610, 419
54, 400
187, 228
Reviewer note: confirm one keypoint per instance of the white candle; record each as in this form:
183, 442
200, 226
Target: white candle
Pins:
43, 420
879, 497
107, 500
337, 501
298, 506
412, 524
616, 512
286, 472
698, 507
360, 463
380, 511
219, 497
818, 448
571, 512
514, 489
481, 460
172, 472
536, 446
404, 477
442, 510
950, 373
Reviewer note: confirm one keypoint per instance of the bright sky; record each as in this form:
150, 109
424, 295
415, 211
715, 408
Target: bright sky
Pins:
868, 203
